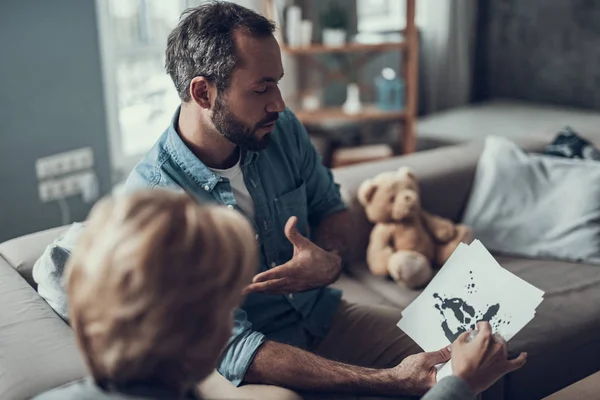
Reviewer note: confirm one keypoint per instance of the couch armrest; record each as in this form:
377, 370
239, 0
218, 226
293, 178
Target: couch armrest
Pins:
38, 351
22, 252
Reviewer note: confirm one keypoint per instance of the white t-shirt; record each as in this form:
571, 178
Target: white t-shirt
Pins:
240, 192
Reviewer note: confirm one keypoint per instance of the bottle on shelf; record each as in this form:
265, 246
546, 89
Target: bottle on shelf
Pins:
390, 90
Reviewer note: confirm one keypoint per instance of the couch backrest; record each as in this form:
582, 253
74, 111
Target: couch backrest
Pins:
445, 178
21, 253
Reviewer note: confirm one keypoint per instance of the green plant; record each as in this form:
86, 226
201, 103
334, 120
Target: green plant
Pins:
335, 17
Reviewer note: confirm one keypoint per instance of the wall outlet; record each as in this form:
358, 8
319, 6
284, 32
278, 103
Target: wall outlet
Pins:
84, 183
64, 163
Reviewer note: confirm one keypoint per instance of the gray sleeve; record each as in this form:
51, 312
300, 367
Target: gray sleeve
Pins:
450, 388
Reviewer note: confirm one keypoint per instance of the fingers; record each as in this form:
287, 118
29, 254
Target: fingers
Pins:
278, 272
440, 356
503, 346
274, 286
291, 232
484, 336
484, 327
517, 362
463, 338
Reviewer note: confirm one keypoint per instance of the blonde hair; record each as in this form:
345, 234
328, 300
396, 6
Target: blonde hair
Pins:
152, 284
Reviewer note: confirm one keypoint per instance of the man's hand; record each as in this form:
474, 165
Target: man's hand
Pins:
310, 267
482, 361
418, 373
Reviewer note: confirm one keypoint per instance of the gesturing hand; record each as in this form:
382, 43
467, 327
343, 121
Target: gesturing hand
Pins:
310, 267
417, 373
482, 361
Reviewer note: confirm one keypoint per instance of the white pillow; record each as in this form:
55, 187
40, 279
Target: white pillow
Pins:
48, 270
535, 205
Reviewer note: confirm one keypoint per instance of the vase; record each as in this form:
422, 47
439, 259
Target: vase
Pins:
334, 37
352, 104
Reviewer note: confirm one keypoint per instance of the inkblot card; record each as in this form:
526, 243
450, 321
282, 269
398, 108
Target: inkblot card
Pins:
469, 288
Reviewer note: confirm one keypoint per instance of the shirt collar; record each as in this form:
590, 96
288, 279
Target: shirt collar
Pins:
190, 164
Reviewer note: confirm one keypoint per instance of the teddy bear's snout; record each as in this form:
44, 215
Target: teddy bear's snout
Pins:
405, 203
409, 199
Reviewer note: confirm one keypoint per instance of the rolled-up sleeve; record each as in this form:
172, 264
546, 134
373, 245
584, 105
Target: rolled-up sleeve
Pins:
241, 349
322, 191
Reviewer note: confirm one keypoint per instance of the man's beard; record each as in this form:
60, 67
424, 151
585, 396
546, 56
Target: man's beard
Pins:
236, 131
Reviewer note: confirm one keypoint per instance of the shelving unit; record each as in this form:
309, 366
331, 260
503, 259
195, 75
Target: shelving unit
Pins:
348, 48
369, 114
408, 70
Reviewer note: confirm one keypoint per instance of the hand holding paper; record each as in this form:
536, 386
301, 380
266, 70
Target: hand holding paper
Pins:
471, 287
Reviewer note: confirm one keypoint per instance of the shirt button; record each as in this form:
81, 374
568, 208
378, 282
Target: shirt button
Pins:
230, 206
273, 264
290, 296
206, 187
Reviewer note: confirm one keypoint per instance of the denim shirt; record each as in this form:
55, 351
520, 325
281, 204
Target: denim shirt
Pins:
286, 179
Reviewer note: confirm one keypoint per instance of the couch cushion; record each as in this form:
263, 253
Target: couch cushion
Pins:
37, 349
397, 295
562, 340
21, 253
356, 292
518, 204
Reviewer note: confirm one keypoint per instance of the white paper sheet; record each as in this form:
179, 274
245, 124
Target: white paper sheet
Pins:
470, 287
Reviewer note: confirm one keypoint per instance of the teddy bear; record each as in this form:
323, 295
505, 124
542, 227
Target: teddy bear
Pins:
406, 242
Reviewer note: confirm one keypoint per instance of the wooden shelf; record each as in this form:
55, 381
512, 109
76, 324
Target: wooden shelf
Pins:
364, 52
347, 48
369, 113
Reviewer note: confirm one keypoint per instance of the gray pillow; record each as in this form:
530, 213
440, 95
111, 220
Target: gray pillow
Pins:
48, 270
534, 205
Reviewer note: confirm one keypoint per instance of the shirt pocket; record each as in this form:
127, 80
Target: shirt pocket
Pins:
290, 204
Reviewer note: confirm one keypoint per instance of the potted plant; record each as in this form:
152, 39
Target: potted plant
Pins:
334, 22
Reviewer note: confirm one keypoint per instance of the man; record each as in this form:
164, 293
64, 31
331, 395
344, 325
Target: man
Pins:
232, 141
140, 278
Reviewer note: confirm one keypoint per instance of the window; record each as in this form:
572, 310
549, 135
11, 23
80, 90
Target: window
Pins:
140, 96
378, 16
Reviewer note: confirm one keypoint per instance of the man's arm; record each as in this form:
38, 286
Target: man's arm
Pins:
333, 234
286, 366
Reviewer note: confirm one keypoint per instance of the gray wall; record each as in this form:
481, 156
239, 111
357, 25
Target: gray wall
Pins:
540, 50
51, 101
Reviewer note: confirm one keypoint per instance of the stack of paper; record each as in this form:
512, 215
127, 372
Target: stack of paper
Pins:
470, 287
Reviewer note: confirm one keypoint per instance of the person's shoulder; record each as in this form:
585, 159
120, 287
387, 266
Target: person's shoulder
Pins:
149, 171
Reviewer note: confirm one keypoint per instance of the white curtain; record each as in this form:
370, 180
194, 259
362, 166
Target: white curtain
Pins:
447, 30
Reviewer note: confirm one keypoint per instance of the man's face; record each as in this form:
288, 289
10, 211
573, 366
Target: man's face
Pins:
246, 113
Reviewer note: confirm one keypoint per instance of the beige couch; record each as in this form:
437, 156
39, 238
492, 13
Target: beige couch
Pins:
37, 349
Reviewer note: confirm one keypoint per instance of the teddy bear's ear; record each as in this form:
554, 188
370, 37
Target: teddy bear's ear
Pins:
406, 172
366, 191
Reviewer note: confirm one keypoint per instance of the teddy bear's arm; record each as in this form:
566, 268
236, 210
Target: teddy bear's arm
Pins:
442, 229
380, 249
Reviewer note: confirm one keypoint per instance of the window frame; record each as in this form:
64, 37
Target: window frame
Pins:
110, 54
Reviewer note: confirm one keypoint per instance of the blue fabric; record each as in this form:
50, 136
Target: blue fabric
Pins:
286, 179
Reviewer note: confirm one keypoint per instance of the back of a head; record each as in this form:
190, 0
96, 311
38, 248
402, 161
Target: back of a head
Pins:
152, 284
203, 43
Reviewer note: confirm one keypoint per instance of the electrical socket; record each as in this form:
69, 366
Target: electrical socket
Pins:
84, 183
64, 163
